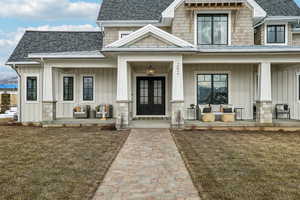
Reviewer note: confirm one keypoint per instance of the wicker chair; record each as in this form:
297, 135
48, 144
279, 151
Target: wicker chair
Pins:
83, 113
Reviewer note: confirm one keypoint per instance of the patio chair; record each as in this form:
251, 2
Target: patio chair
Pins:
282, 109
81, 112
105, 109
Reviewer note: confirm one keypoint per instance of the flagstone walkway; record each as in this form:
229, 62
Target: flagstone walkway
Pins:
148, 166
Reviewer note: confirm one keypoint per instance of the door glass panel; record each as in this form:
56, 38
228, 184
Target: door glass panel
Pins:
144, 92
157, 92
204, 89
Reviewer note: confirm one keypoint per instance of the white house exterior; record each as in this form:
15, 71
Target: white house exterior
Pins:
248, 48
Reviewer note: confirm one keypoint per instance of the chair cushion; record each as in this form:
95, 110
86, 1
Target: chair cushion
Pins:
208, 117
215, 108
280, 108
228, 117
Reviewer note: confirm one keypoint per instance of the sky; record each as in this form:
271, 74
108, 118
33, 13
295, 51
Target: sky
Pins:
16, 16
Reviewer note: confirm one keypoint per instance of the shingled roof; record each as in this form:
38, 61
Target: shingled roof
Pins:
119, 10
132, 9
54, 42
280, 7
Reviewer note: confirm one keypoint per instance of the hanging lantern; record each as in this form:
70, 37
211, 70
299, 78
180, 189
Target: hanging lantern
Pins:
150, 70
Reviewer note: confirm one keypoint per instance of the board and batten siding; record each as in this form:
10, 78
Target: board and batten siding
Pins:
285, 88
241, 83
31, 111
105, 89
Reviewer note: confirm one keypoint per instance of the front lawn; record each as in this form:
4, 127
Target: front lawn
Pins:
64, 163
242, 165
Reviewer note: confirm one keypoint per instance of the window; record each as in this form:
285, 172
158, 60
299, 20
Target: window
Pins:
68, 88
212, 29
276, 34
88, 88
31, 88
123, 34
212, 88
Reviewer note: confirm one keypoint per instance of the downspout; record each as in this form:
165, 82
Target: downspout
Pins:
20, 93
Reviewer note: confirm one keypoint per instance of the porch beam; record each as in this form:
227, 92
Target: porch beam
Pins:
49, 102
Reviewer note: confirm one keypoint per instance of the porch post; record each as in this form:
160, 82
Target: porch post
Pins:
49, 103
122, 121
264, 101
177, 116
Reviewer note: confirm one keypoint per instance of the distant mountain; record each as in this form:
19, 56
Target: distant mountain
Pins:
10, 80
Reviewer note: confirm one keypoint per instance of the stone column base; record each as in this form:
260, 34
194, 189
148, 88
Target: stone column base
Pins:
122, 121
264, 112
49, 110
177, 115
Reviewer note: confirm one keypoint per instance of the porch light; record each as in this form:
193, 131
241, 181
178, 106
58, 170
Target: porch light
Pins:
150, 70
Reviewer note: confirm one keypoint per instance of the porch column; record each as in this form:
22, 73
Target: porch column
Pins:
122, 121
49, 103
177, 118
264, 101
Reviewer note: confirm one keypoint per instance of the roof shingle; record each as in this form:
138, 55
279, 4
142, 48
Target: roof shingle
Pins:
55, 41
280, 7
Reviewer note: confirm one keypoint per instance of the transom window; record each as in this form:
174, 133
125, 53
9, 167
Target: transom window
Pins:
68, 88
31, 90
276, 34
212, 88
88, 88
212, 29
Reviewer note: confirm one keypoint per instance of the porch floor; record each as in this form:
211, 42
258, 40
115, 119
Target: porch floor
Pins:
244, 123
150, 124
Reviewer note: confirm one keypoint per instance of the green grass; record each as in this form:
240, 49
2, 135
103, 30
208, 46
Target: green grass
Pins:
241, 165
66, 163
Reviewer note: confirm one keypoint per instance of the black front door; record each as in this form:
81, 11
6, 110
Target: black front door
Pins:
151, 96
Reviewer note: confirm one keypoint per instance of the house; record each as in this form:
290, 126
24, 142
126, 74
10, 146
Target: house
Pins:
8, 96
156, 58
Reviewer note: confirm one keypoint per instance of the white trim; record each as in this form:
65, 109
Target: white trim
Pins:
134, 94
153, 30
22, 63
37, 75
94, 54
212, 72
124, 32
213, 12
62, 88
81, 88
169, 12
286, 33
258, 11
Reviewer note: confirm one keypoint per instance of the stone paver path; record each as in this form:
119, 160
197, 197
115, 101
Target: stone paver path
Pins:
148, 167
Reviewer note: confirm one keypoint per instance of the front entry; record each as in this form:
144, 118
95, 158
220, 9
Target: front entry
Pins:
151, 96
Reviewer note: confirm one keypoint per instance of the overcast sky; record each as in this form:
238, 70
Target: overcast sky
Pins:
18, 15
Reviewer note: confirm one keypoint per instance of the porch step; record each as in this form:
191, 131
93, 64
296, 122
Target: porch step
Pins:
151, 118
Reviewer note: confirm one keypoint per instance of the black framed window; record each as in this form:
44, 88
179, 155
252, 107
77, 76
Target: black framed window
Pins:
212, 88
31, 90
276, 34
88, 88
68, 88
212, 29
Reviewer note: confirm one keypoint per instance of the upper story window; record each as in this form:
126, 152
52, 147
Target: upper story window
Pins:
123, 34
88, 88
68, 88
31, 88
212, 29
276, 34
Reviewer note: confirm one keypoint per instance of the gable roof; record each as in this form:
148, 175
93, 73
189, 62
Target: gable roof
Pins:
54, 42
118, 10
280, 7
145, 31
132, 10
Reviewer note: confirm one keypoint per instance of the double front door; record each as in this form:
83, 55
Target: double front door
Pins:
151, 96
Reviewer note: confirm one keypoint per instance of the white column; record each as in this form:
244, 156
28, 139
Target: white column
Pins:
177, 81
264, 81
122, 81
48, 93
177, 117
264, 108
